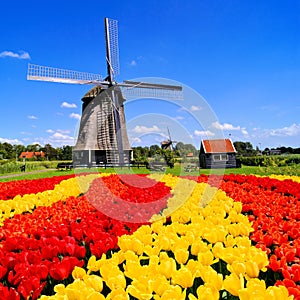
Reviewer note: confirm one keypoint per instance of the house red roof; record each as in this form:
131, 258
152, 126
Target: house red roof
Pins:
27, 154
218, 146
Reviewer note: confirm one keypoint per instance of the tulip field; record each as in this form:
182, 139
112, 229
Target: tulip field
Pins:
110, 236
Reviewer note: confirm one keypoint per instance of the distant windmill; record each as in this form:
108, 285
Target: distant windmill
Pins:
168, 144
102, 137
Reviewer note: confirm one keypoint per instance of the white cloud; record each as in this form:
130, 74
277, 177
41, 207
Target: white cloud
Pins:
60, 136
135, 140
291, 130
133, 63
32, 117
26, 133
203, 133
244, 131
66, 131
11, 141
179, 118
20, 55
144, 129
61, 139
50, 131
195, 108
68, 105
228, 126
225, 126
75, 116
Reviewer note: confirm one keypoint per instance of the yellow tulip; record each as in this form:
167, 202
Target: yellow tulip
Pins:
118, 294
163, 243
243, 241
207, 291
116, 281
159, 284
132, 269
174, 293
237, 206
210, 276
278, 293
78, 273
255, 289
158, 226
206, 258
181, 255
144, 235
218, 250
95, 296
183, 215
198, 246
94, 281
183, 277
167, 267
252, 269
233, 284
237, 268
260, 258
94, 264
59, 288
139, 290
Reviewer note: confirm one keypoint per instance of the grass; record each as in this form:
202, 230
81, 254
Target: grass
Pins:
177, 170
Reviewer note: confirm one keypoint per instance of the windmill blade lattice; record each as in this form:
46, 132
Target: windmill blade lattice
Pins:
112, 47
135, 89
44, 73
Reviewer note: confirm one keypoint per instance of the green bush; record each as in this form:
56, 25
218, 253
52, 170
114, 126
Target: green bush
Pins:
270, 161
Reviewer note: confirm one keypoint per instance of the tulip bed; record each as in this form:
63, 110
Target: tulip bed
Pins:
108, 236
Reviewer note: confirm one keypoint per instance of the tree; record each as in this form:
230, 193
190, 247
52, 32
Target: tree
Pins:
18, 149
244, 148
154, 149
50, 152
6, 150
184, 149
33, 148
168, 157
67, 152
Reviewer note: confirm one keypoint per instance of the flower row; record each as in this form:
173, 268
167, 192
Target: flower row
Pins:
41, 248
10, 189
198, 250
28, 202
273, 207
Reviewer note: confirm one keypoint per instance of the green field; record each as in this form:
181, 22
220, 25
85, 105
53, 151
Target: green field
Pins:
39, 172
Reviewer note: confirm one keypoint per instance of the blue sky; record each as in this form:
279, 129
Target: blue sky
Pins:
241, 58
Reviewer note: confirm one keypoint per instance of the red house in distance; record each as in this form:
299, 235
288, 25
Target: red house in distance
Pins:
30, 155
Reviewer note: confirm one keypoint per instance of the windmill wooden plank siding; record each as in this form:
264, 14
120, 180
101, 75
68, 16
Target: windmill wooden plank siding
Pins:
219, 153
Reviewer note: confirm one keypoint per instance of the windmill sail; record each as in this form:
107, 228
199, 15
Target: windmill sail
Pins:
44, 73
135, 89
112, 47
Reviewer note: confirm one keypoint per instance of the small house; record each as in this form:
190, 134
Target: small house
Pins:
219, 153
32, 155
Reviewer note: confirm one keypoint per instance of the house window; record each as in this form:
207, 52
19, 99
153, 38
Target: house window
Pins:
220, 157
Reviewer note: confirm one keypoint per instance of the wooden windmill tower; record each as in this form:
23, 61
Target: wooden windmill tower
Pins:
102, 137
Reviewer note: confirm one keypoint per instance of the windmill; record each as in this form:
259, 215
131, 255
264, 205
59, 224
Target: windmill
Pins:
102, 137
168, 144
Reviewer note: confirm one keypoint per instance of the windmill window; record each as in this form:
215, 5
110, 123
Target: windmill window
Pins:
220, 157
